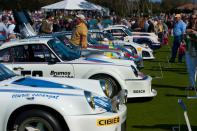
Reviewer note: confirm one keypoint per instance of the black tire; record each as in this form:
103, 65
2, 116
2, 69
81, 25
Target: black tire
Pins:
36, 119
112, 85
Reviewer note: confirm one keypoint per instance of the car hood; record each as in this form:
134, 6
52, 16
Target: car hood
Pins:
136, 45
59, 86
94, 60
154, 39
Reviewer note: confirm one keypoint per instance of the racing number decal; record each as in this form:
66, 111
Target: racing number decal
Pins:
33, 73
52, 73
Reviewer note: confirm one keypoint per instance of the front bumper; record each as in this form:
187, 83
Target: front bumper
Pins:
155, 46
146, 55
99, 122
140, 88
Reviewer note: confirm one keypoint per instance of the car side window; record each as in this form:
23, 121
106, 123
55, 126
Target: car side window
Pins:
41, 53
32, 53
136, 40
5, 55
118, 32
19, 54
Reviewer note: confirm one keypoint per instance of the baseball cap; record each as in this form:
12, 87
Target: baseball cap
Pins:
178, 15
80, 16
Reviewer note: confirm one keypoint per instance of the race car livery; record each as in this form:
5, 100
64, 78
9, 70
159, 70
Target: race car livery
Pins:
122, 33
57, 104
49, 57
137, 33
106, 39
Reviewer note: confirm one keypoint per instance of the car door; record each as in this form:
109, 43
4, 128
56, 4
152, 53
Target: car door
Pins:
38, 60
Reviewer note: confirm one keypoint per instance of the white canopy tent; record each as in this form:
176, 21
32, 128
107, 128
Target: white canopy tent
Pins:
73, 5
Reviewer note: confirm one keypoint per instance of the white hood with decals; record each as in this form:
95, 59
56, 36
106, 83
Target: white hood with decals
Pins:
59, 86
103, 61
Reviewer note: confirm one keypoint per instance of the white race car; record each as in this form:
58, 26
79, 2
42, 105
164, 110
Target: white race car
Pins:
57, 104
105, 38
145, 52
122, 33
137, 33
50, 57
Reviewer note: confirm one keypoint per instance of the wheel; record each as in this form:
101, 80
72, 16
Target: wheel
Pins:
112, 86
36, 120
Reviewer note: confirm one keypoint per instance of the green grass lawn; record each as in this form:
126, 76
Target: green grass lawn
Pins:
163, 112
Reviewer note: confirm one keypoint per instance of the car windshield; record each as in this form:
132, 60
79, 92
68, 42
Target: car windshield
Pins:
65, 51
5, 73
91, 40
108, 36
127, 31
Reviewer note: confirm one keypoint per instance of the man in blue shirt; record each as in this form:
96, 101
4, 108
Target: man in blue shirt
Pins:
178, 31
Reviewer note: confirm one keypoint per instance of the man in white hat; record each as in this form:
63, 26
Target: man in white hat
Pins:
79, 35
178, 31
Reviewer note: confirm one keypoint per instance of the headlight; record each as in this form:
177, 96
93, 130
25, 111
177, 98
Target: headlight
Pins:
139, 49
135, 71
123, 96
90, 99
104, 87
110, 105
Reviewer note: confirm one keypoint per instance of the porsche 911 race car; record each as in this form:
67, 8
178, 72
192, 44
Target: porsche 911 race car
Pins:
127, 54
107, 39
137, 33
49, 57
57, 104
122, 33
97, 50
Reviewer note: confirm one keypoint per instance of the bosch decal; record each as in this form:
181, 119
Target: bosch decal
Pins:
138, 91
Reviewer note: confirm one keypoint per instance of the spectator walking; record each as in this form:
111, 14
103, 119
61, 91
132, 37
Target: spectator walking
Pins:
3, 29
151, 27
191, 52
178, 31
47, 24
79, 34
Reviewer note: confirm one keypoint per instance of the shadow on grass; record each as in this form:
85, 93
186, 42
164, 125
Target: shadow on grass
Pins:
139, 100
169, 86
168, 127
173, 95
155, 61
175, 69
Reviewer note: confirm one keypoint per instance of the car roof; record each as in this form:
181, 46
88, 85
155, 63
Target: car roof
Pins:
119, 26
25, 41
113, 27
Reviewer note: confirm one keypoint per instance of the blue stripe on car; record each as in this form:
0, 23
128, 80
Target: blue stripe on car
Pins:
29, 91
40, 83
96, 60
103, 103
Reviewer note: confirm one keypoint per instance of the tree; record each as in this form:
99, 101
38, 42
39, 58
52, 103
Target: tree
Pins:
119, 6
25, 4
168, 5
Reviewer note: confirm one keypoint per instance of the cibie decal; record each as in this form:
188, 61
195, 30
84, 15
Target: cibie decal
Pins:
35, 95
61, 74
108, 122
